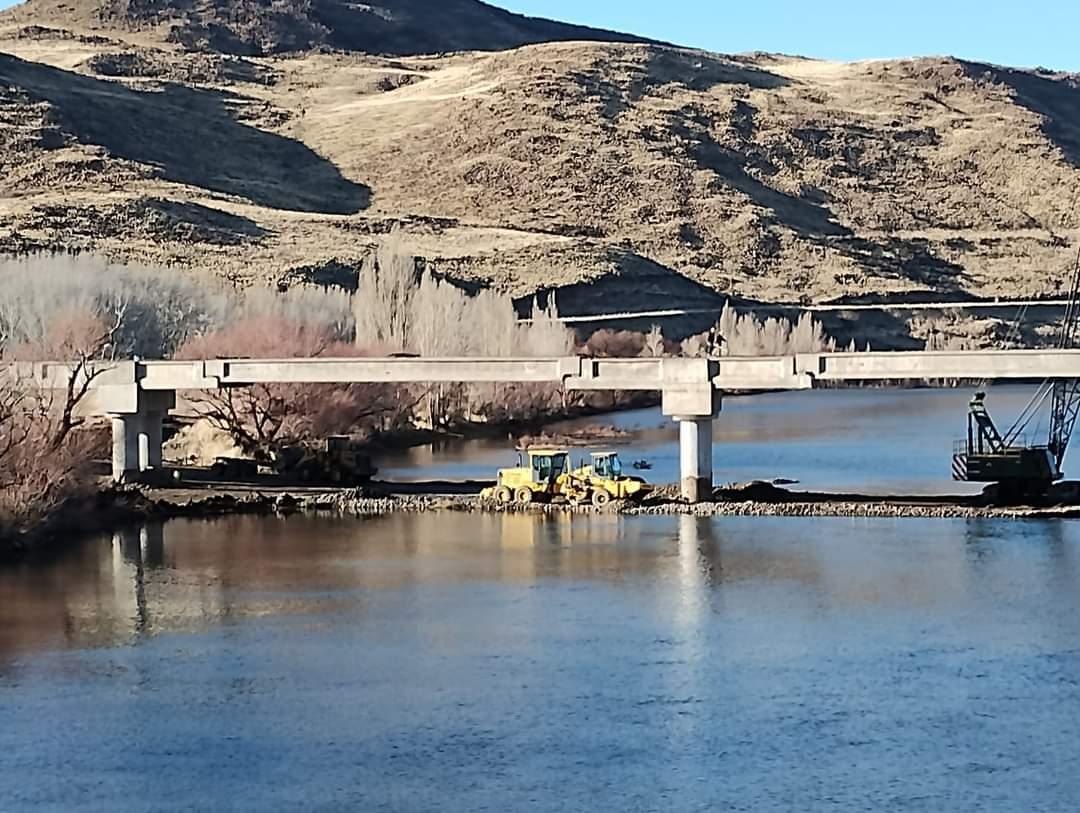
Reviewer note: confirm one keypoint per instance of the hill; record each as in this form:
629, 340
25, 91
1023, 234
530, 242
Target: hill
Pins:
628, 171
255, 27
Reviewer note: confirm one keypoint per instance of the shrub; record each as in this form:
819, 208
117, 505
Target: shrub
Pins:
266, 417
150, 312
45, 446
615, 344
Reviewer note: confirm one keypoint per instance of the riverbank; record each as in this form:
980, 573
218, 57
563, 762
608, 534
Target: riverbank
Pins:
113, 508
387, 498
107, 506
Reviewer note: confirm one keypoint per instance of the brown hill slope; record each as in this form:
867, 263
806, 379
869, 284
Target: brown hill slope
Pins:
255, 27
654, 170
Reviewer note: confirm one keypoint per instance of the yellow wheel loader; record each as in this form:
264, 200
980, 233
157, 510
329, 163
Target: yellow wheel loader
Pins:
605, 478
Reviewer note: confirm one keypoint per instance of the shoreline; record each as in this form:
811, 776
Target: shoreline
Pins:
116, 507
108, 506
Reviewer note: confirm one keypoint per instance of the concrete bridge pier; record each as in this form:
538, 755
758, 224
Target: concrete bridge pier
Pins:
136, 444
137, 417
125, 447
150, 431
693, 402
695, 458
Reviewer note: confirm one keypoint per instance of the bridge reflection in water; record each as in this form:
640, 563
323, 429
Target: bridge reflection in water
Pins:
187, 576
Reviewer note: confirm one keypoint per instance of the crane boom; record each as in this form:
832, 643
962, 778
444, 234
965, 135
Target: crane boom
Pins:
1066, 403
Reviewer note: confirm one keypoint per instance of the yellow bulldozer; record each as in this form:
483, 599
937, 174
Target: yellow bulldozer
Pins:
544, 475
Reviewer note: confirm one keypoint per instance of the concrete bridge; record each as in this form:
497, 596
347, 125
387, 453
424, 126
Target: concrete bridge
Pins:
137, 395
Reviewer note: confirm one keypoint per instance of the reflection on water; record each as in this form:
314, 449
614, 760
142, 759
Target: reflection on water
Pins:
459, 662
189, 574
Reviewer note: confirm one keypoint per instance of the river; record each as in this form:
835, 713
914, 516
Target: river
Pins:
867, 441
453, 662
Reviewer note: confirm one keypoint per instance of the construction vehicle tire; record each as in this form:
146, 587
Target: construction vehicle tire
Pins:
600, 498
504, 495
524, 496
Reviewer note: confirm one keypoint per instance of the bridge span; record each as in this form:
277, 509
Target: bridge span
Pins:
137, 395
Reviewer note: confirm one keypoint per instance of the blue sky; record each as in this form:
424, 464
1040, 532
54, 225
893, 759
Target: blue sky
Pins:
1038, 32
1016, 33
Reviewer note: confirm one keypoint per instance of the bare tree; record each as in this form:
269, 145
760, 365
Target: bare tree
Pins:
744, 335
386, 286
400, 308
154, 310
263, 418
45, 444
654, 343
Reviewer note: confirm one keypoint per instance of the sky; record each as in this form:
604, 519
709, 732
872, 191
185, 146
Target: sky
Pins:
1019, 33
1034, 33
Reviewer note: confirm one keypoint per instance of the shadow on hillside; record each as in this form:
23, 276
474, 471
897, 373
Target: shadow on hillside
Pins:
414, 27
670, 66
702, 72
904, 259
191, 136
1057, 101
638, 284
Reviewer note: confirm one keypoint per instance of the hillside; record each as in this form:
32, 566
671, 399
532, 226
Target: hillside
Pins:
256, 27
652, 175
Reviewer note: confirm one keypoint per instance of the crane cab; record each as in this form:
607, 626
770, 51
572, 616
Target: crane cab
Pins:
985, 456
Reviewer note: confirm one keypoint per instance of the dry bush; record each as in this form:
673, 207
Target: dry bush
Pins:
745, 335
322, 310
615, 344
400, 307
34, 479
152, 311
46, 447
266, 417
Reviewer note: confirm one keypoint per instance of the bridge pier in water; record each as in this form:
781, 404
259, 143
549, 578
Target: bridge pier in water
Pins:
694, 403
695, 458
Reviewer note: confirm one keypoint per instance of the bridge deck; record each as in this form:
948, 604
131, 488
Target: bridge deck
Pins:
726, 373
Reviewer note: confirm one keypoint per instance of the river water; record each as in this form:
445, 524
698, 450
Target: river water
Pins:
871, 441
451, 662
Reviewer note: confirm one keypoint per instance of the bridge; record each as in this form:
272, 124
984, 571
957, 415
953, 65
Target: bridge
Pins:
136, 395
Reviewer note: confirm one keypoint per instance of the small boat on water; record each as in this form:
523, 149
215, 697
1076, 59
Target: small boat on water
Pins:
642, 465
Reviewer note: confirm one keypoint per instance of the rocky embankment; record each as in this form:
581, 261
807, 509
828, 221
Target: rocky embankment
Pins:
742, 502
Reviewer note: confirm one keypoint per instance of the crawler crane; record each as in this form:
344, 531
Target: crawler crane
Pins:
1025, 470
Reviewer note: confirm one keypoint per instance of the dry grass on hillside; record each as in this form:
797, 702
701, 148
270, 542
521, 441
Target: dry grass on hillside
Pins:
663, 173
